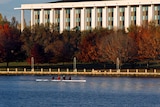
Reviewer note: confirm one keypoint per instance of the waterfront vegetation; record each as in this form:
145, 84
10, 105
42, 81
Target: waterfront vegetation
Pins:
81, 65
137, 47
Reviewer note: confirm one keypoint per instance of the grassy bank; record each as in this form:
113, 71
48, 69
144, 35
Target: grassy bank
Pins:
69, 65
57, 65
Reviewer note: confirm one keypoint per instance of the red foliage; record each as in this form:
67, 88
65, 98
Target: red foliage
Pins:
145, 42
37, 53
9, 42
88, 49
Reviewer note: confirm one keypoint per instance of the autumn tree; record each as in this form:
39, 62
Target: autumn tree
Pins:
9, 43
3, 20
1, 17
88, 47
14, 22
115, 45
37, 52
39, 36
2, 53
34, 38
64, 46
146, 40
133, 32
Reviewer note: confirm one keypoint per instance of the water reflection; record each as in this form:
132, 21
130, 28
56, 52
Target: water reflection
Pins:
96, 92
125, 84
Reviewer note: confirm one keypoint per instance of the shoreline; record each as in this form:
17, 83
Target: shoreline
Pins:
108, 72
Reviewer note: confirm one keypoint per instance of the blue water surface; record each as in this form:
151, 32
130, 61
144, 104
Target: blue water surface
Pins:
24, 91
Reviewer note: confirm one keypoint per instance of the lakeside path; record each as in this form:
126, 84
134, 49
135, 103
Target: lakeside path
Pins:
107, 72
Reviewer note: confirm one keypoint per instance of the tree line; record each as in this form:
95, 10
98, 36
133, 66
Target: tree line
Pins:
47, 45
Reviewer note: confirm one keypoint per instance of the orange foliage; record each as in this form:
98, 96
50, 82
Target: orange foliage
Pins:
88, 49
146, 42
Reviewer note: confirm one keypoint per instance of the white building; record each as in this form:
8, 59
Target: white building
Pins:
87, 15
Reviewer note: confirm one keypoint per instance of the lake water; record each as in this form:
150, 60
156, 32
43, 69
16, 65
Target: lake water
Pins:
24, 91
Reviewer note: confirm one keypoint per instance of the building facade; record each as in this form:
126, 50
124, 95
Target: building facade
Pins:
87, 15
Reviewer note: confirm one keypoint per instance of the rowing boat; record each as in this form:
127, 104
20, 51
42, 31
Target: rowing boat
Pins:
50, 80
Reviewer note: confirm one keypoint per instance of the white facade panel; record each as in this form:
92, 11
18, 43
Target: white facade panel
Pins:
72, 15
94, 5
139, 15
116, 17
52, 16
32, 17
94, 17
22, 20
62, 20
83, 20
42, 16
127, 16
104, 17
151, 13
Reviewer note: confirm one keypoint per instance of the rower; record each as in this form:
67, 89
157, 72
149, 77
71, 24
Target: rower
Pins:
58, 78
64, 77
53, 78
69, 78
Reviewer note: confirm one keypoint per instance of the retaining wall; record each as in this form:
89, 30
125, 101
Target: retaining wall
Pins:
106, 72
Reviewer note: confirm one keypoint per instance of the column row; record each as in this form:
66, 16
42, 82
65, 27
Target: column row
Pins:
88, 18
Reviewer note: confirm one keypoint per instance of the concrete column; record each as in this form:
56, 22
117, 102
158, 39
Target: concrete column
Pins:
16, 69
41, 69
146, 71
25, 70
54, 16
151, 13
127, 17
139, 15
32, 17
50, 70
59, 70
104, 17
72, 17
116, 17
83, 20
94, 15
62, 20
42, 16
51, 16
22, 20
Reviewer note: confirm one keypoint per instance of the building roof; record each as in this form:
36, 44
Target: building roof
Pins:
75, 1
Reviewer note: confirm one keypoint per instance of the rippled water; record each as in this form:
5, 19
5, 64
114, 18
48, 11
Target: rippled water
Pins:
24, 91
